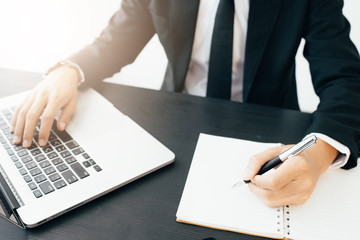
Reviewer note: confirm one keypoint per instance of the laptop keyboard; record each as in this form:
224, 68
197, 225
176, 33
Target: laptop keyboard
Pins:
46, 169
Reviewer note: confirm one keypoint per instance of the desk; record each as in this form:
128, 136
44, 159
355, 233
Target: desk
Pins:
146, 208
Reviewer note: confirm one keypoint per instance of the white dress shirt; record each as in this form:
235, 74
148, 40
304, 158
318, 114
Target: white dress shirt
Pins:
196, 78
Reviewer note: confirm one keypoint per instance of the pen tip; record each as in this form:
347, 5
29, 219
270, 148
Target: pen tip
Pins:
238, 184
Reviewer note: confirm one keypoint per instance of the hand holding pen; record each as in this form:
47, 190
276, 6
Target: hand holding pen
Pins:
295, 179
276, 161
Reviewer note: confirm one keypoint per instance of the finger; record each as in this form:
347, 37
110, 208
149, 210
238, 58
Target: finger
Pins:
277, 179
32, 118
20, 123
256, 161
47, 120
17, 111
66, 114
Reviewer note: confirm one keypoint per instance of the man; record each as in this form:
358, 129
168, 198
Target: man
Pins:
263, 72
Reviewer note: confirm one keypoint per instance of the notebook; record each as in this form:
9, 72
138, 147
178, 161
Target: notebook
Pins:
208, 199
101, 150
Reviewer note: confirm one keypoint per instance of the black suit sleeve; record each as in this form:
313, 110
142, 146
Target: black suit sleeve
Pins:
126, 34
335, 68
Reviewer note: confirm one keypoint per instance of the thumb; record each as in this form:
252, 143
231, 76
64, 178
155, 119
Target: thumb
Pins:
256, 161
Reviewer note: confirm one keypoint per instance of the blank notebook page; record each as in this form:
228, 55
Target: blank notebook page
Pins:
332, 211
209, 199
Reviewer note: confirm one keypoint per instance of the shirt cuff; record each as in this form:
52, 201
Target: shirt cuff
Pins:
344, 151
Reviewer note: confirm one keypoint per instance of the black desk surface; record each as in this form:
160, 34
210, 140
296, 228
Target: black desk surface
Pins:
146, 208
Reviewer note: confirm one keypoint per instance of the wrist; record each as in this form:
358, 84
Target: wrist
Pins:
69, 67
323, 153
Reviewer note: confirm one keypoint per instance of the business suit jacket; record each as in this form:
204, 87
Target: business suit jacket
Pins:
275, 29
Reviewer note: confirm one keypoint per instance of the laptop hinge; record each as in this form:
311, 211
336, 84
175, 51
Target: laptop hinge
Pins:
9, 201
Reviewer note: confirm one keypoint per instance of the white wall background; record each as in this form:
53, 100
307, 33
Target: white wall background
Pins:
37, 33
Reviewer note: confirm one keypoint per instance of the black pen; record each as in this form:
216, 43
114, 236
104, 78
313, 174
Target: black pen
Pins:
289, 153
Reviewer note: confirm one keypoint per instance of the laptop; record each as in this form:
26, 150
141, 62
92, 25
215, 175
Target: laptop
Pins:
101, 150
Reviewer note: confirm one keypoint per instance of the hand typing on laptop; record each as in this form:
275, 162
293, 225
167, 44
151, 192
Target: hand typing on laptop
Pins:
58, 91
74, 160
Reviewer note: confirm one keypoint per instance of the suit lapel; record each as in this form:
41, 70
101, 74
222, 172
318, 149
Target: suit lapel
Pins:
183, 16
262, 17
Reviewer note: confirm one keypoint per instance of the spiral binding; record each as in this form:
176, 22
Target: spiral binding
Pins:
287, 219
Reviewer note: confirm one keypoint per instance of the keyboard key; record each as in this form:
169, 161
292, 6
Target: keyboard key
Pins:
79, 170
60, 184
52, 155
65, 154
30, 165
18, 165
32, 185
40, 178
23, 171
47, 149
57, 161
72, 144
6, 146
32, 146
10, 137
26, 159
35, 151
18, 148
14, 158
55, 143
64, 136
6, 131
97, 168
62, 167
86, 156
78, 151
92, 162
46, 187
60, 148
37, 193
45, 164
52, 137
49, 170
27, 178
70, 160
86, 164
35, 171
54, 177
69, 176
40, 158
10, 152
22, 153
